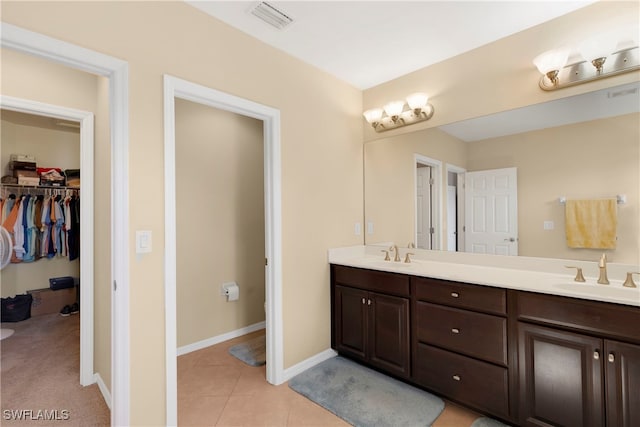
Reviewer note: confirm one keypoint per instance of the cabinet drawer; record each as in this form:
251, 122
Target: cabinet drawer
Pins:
474, 297
598, 318
461, 378
475, 334
371, 280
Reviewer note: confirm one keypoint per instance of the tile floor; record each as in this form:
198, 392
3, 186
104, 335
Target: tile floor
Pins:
216, 389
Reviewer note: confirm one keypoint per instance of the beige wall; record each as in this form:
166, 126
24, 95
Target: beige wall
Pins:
586, 160
26, 77
27, 134
321, 158
390, 180
220, 211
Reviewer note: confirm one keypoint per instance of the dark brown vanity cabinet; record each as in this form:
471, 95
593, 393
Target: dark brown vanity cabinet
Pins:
528, 358
573, 370
371, 318
460, 343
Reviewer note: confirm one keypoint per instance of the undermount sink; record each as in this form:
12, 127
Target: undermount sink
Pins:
601, 290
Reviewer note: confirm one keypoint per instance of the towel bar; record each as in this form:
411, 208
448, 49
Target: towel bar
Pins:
620, 198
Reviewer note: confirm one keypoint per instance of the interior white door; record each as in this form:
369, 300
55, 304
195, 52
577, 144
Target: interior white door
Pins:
491, 202
452, 227
424, 224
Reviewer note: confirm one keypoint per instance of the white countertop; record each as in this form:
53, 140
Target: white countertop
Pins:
549, 276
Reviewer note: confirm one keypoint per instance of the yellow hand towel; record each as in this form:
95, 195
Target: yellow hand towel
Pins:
591, 223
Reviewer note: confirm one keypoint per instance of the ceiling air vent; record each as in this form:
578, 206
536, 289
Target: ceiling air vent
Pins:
271, 15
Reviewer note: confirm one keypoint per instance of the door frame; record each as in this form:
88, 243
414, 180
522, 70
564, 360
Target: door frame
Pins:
436, 198
85, 118
116, 70
183, 89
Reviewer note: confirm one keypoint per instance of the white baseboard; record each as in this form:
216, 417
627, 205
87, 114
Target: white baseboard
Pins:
308, 363
103, 389
220, 338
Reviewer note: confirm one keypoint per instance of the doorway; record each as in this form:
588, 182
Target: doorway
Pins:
428, 202
178, 88
85, 123
116, 71
455, 208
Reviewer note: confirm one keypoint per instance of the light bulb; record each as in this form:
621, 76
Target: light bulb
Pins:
394, 108
374, 115
553, 60
417, 101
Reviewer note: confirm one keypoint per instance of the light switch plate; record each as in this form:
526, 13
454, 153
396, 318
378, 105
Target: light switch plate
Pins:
548, 225
143, 241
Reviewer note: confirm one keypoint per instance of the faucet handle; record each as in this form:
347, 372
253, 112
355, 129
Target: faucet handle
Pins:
407, 257
629, 283
386, 256
579, 277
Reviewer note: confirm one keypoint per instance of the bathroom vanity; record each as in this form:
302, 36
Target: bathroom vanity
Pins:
527, 357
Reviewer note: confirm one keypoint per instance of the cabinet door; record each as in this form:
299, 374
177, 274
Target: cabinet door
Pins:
560, 378
623, 384
389, 333
351, 321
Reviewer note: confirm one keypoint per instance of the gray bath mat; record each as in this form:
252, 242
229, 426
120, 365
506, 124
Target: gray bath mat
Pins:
364, 397
252, 352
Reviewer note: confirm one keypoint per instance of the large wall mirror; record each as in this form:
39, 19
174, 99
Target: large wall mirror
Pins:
419, 186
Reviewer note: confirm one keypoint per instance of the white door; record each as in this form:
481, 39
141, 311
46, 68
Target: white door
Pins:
452, 215
424, 226
491, 201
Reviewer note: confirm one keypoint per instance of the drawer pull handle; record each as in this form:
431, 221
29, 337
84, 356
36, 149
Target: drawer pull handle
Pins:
611, 358
596, 355
455, 294
362, 300
456, 377
368, 302
455, 330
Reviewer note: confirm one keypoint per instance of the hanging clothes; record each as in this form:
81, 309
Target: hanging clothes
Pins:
45, 225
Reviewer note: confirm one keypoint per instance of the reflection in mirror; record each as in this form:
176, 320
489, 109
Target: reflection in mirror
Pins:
581, 147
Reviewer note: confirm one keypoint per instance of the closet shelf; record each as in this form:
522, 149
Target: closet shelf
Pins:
44, 187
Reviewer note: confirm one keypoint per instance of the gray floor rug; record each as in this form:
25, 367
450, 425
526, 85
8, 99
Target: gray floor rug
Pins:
252, 352
487, 422
364, 397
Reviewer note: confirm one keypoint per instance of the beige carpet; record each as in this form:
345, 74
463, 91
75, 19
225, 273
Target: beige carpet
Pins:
40, 370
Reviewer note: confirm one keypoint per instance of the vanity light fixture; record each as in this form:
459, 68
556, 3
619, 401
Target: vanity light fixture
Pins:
605, 55
394, 115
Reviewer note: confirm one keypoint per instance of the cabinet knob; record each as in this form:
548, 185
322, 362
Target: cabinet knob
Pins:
455, 294
611, 358
363, 300
596, 355
456, 377
455, 330
368, 302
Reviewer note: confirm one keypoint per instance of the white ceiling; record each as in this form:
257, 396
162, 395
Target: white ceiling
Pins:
366, 43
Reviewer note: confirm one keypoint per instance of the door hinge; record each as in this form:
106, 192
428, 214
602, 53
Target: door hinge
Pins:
266, 261
432, 230
432, 181
115, 285
464, 228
